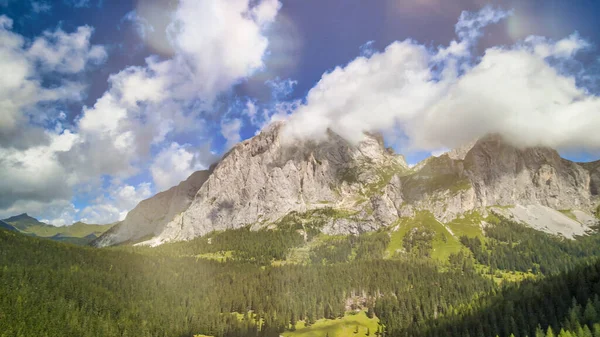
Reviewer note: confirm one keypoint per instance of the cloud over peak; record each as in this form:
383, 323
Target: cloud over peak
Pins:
446, 97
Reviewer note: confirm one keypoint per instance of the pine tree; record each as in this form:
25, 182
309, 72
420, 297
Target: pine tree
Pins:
589, 314
539, 332
596, 329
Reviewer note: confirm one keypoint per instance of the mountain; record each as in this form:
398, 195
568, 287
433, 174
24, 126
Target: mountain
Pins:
264, 180
150, 216
79, 232
6, 226
23, 221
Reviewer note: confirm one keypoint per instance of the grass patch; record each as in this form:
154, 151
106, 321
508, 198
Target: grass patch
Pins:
342, 327
467, 224
502, 276
443, 244
217, 256
420, 183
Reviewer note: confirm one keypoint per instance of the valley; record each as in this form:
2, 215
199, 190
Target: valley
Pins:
330, 239
406, 275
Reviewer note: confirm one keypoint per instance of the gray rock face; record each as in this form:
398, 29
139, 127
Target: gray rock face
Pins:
150, 216
504, 175
263, 179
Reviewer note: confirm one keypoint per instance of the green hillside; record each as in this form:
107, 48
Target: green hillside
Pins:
55, 289
78, 233
23, 222
418, 277
6, 226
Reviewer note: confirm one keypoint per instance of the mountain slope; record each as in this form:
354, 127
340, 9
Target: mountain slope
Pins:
150, 216
6, 226
23, 222
78, 233
263, 179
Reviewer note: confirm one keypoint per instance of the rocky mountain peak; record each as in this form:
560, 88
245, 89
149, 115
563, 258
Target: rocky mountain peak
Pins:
503, 174
268, 177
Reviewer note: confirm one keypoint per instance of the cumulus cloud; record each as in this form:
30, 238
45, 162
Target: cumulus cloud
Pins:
116, 203
209, 36
230, 129
67, 52
143, 108
21, 88
449, 96
141, 25
36, 173
57, 212
144, 105
40, 6
176, 163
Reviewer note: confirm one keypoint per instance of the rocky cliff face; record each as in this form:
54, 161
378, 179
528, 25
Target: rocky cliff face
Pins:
495, 173
362, 186
261, 180
150, 216
504, 175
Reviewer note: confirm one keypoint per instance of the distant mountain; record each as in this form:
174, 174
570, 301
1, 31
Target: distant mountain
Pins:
6, 226
78, 233
23, 222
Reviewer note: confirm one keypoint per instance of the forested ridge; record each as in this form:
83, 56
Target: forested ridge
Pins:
264, 282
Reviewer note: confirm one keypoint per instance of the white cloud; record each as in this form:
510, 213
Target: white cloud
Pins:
146, 104
143, 107
230, 129
78, 3
35, 173
40, 6
21, 88
115, 206
67, 52
439, 152
141, 25
217, 44
442, 99
176, 163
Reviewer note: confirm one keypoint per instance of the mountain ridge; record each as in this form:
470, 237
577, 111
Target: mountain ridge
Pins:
264, 178
79, 232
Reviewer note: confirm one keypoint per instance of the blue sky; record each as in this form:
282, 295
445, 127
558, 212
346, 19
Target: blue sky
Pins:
109, 102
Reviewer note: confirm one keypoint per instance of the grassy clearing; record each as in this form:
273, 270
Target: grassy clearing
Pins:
219, 256
501, 276
342, 327
443, 243
468, 224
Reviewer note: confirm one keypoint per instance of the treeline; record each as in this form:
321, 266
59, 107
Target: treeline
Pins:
563, 305
260, 247
367, 246
54, 289
512, 246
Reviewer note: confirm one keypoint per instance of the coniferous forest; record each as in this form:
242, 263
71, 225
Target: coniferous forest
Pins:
262, 283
